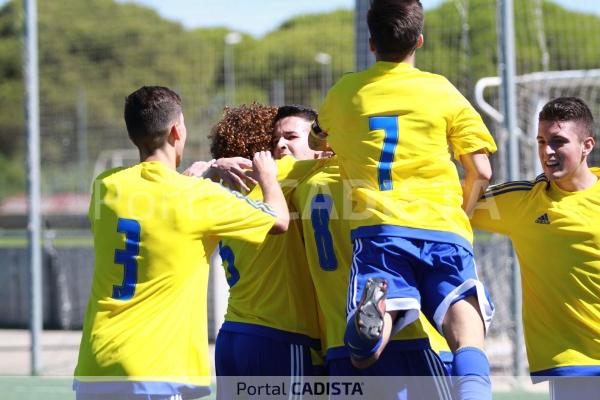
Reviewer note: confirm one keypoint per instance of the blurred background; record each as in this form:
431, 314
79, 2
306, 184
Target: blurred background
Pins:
93, 53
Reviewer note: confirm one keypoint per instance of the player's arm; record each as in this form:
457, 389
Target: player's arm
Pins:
478, 172
265, 173
199, 169
231, 172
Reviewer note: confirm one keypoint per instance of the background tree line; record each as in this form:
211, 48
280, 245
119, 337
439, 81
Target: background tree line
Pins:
93, 53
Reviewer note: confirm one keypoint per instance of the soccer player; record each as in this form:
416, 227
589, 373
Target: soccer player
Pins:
145, 329
324, 209
554, 224
392, 127
271, 321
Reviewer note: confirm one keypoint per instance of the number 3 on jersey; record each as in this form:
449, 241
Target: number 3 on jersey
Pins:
321, 210
391, 130
131, 228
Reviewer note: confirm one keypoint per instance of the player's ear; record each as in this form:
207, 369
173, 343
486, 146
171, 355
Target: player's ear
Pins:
372, 45
174, 135
174, 132
420, 41
588, 145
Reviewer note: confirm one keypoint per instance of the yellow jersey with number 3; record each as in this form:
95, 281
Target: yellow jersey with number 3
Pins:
393, 127
146, 319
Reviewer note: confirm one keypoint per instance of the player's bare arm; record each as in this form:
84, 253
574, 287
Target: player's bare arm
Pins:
478, 173
199, 169
233, 172
265, 173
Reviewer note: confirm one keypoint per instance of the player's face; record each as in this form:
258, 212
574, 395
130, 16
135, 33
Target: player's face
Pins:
561, 151
291, 138
182, 138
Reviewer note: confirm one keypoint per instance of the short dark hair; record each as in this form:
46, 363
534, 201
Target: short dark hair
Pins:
150, 112
296, 110
243, 131
569, 109
395, 26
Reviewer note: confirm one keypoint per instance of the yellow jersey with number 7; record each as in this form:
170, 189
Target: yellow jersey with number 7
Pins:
393, 128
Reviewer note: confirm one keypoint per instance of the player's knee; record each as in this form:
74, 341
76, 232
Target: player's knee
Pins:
463, 324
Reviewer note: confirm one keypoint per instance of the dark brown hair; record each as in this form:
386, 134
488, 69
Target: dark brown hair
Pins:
150, 112
569, 109
395, 26
296, 110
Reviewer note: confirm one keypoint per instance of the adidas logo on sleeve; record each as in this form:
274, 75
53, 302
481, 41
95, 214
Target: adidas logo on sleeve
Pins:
543, 219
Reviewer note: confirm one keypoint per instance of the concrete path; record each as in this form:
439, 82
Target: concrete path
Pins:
59, 352
58, 358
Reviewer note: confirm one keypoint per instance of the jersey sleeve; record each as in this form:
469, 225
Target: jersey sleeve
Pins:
290, 172
328, 111
98, 190
467, 133
497, 210
228, 213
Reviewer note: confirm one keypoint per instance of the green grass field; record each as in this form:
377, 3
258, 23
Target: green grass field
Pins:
18, 239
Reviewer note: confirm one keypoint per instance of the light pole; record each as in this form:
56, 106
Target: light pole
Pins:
326, 75
34, 225
231, 39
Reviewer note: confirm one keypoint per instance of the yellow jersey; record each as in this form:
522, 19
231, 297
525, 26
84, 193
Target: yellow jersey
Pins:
556, 236
393, 127
270, 290
322, 200
146, 319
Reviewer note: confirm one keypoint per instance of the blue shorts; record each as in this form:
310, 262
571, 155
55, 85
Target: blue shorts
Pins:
417, 374
137, 390
421, 275
104, 396
239, 354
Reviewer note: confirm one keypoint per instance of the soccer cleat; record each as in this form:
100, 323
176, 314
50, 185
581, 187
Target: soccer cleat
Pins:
368, 318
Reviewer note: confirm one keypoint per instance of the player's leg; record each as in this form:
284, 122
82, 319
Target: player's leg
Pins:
459, 306
464, 330
382, 279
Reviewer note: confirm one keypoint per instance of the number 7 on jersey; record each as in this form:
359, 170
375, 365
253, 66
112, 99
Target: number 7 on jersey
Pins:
391, 130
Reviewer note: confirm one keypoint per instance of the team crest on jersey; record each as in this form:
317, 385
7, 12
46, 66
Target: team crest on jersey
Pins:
543, 219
